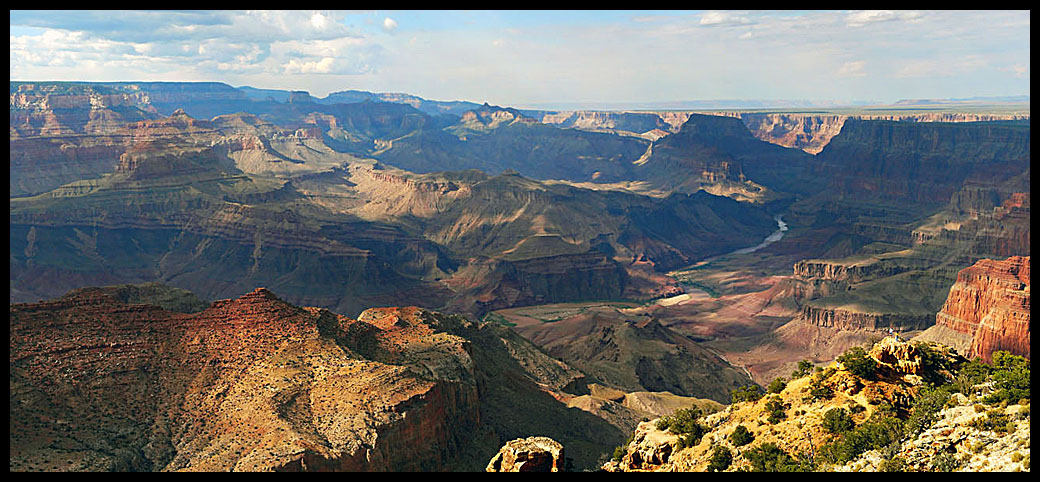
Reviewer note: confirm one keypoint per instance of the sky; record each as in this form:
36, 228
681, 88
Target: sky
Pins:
538, 58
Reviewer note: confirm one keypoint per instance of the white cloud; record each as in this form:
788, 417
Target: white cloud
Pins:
852, 69
323, 66
389, 24
864, 17
723, 18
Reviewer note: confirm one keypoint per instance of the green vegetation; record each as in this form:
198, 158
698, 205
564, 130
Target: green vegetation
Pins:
775, 409
876, 433
750, 393
994, 420
857, 362
818, 392
721, 458
1008, 373
944, 462
804, 367
741, 436
684, 424
838, 421
769, 458
894, 464
777, 385
619, 452
497, 319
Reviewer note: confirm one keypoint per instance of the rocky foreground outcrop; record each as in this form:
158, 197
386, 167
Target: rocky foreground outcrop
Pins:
793, 422
987, 309
532, 454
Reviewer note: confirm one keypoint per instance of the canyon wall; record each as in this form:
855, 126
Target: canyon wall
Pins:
989, 304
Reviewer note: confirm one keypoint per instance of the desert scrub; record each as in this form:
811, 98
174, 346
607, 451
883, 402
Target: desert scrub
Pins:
775, 410
818, 392
894, 464
721, 458
777, 385
684, 424
858, 363
750, 393
837, 421
741, 436
944, 462
804, 367
770, 458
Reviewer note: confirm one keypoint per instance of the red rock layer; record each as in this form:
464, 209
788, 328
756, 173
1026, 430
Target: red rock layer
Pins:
990, 301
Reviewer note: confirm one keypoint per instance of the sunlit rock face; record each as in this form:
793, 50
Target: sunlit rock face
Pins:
990, 303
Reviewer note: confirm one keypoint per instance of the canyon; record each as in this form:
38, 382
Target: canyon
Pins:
454, 276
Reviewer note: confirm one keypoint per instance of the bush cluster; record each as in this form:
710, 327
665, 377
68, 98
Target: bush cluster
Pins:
721, 459
770, 458
684, 424
750, 393
838, 421
777, 385
857, 362
741, 436
876, 433
804, 367
775, 410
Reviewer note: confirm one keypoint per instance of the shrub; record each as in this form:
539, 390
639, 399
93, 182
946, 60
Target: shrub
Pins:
995, 420
619, 452
838, 421
684, 424
721, 458
858, 363
775, 410
819, 392
874, 434
1010, 378
930, 400
777, 385
769, 458
944, 462
803, 369
741, 436
894, 464
933, 363
749, 393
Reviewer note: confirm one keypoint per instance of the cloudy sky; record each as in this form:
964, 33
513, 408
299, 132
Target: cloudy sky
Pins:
532, 58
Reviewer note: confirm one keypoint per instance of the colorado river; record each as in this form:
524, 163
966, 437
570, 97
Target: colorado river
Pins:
772, 238
692, 292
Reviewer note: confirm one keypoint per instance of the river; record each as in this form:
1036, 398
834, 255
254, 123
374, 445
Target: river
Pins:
695, 292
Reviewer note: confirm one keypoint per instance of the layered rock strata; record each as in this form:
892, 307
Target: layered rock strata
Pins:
990, 303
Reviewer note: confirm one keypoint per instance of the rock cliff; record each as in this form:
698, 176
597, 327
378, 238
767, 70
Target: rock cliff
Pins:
989, 305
